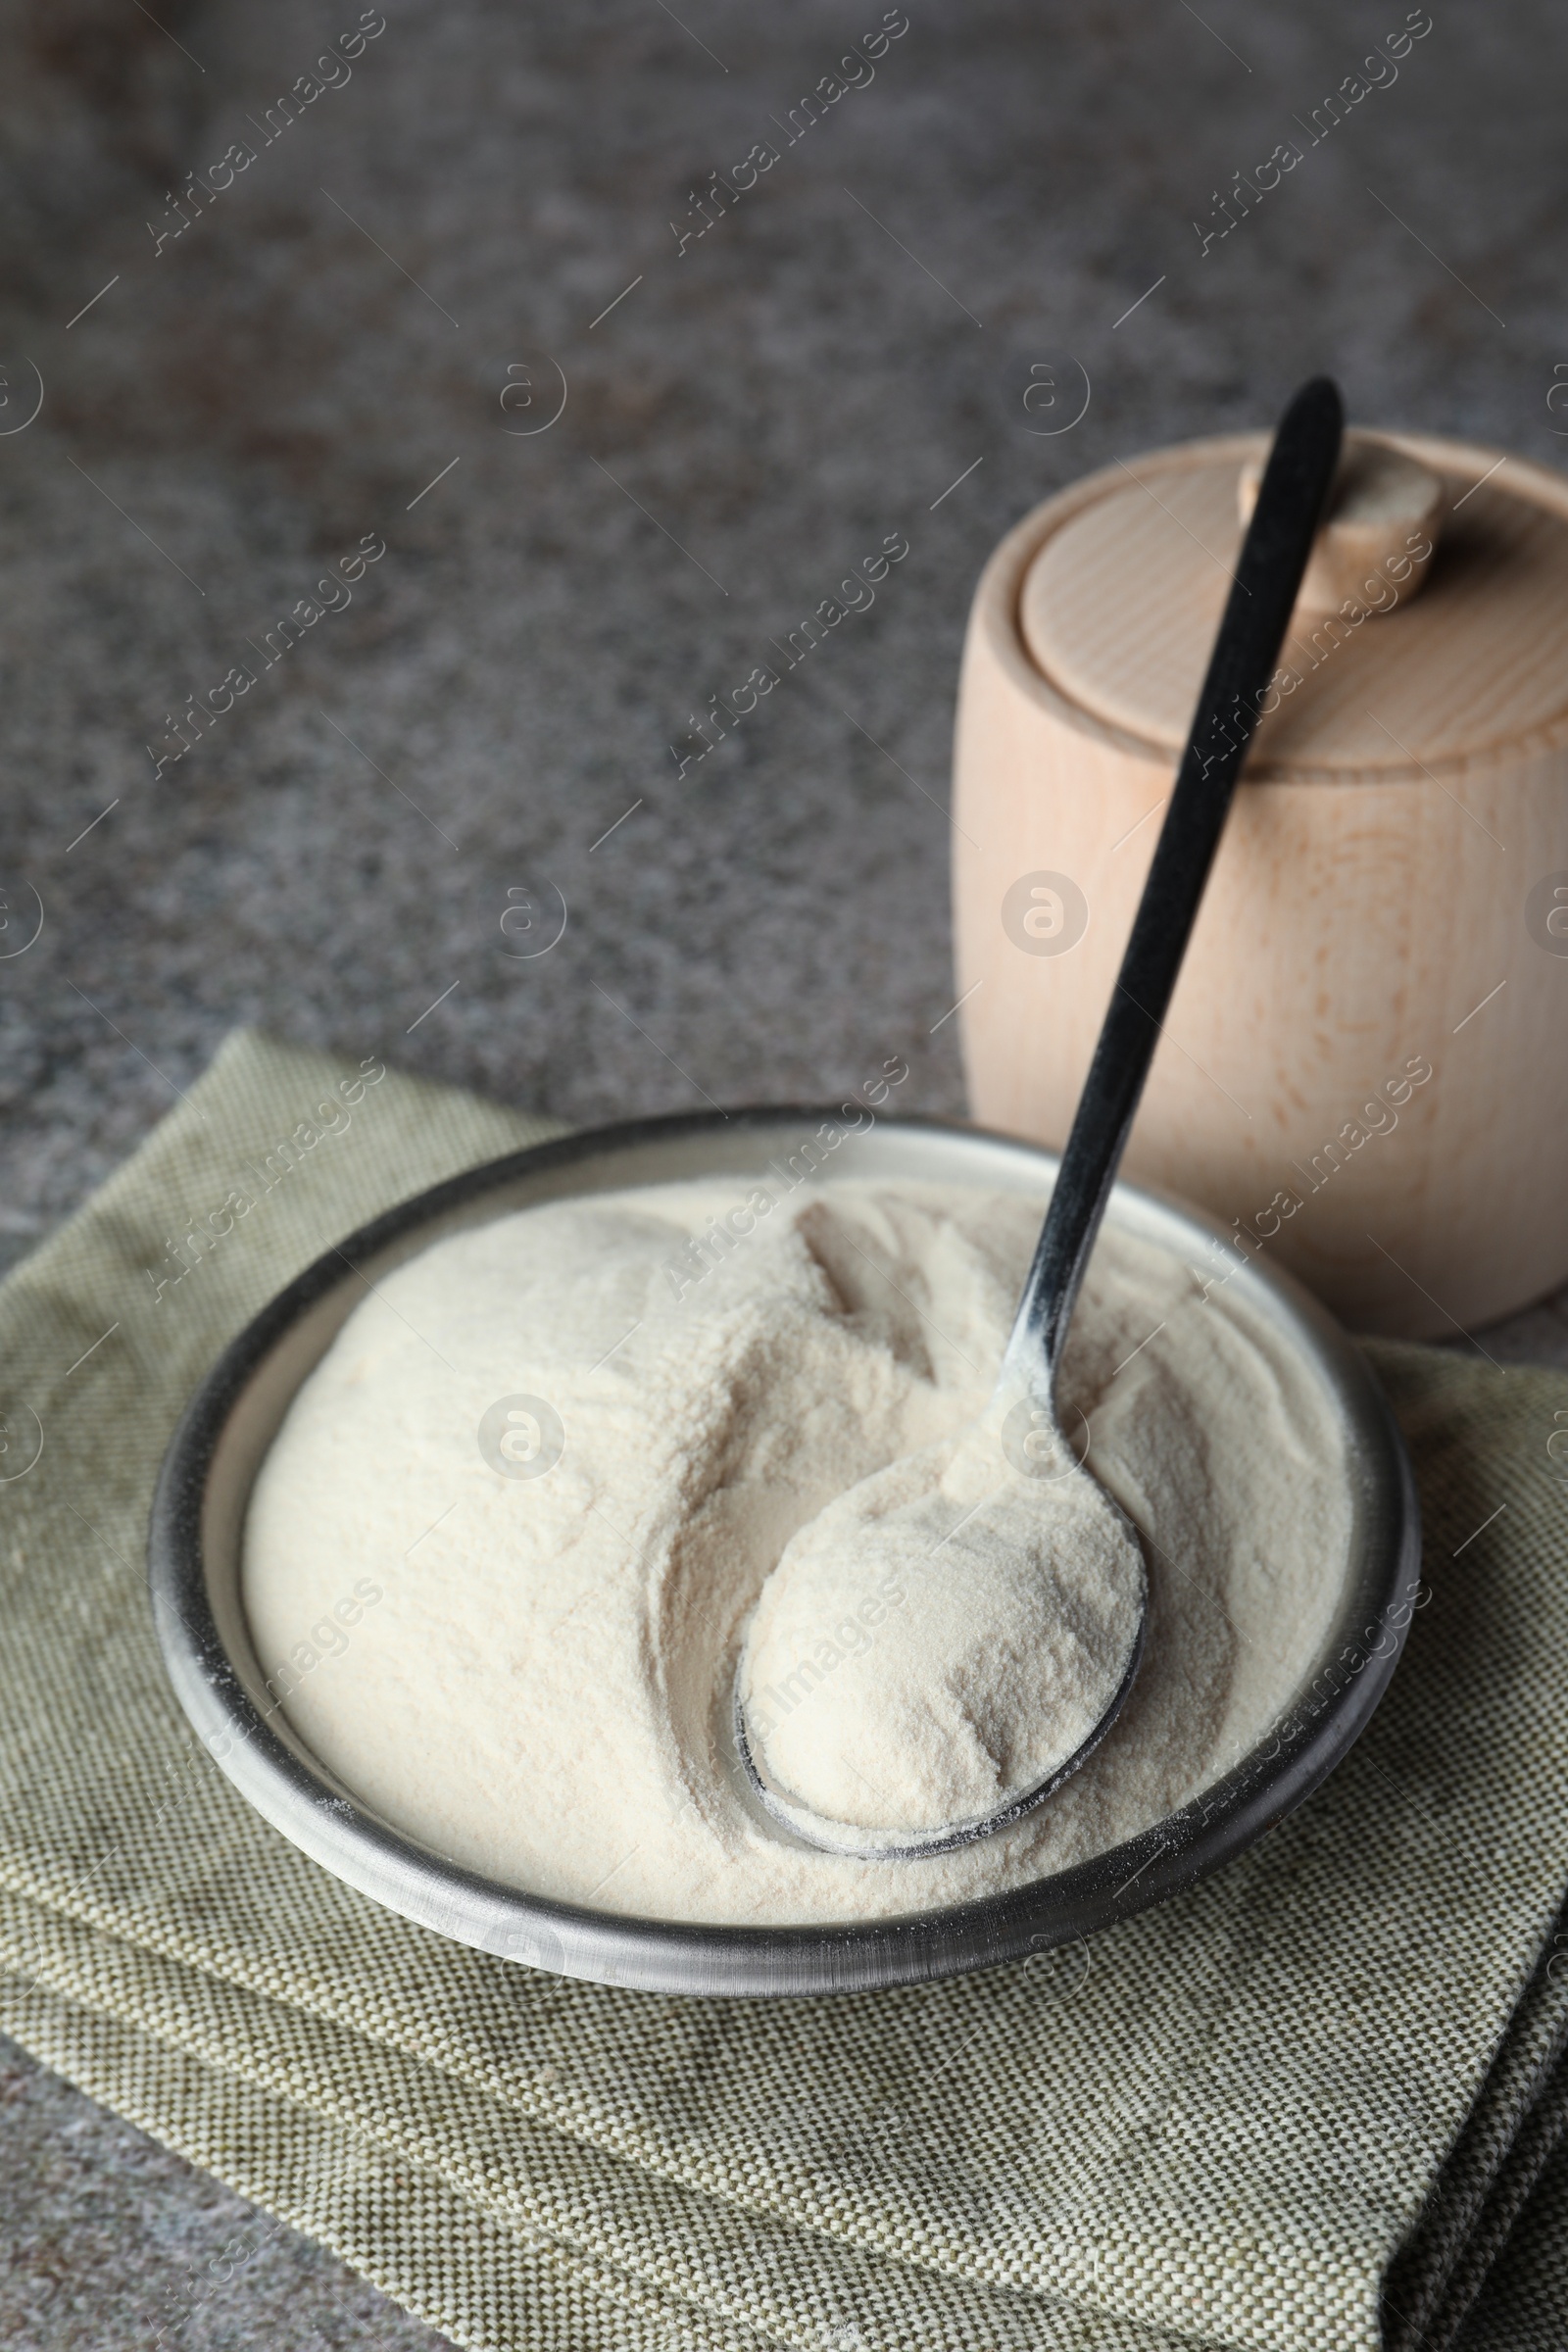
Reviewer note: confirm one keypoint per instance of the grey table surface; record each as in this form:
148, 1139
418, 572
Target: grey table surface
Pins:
499, 195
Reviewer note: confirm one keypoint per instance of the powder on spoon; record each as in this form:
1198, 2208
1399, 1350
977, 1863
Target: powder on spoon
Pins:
1022, 1598
500, 1557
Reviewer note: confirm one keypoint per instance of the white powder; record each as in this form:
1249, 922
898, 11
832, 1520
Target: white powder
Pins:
1019, 1595
532, 1673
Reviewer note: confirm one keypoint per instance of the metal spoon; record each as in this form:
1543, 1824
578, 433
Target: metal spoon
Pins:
1022, 1413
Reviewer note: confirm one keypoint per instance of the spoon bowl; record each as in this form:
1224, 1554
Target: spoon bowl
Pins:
918, 1846
957, 1531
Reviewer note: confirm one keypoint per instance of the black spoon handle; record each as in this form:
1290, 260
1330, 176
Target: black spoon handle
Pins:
1268, 576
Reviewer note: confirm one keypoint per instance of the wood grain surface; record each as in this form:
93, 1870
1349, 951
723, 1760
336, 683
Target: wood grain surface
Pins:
1359, 1075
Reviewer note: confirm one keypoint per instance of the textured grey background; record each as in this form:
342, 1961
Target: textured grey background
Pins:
247, 401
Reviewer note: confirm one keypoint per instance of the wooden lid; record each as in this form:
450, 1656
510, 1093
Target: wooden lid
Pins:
1119, 607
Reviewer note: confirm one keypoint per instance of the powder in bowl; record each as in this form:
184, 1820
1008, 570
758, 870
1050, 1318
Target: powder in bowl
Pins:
500, 1556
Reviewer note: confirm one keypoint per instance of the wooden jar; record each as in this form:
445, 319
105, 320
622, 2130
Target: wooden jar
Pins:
1365, 1069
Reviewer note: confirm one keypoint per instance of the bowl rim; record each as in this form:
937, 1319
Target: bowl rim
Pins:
273, 1767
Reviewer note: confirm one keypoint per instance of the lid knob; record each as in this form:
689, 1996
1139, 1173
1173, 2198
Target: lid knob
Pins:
1384, 507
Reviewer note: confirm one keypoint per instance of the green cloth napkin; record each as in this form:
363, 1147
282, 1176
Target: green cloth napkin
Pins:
1301, 2106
